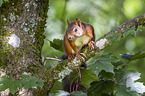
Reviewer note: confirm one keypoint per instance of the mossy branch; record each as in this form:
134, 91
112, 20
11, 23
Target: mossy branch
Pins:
67, 66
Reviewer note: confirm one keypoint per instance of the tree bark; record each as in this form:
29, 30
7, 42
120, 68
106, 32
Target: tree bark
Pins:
21, 36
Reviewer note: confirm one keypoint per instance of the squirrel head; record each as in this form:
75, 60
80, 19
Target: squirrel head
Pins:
74, 30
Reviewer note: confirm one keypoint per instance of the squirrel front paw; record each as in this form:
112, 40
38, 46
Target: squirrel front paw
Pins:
91, 45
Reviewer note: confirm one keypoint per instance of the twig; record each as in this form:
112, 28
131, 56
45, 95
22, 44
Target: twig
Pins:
53, 58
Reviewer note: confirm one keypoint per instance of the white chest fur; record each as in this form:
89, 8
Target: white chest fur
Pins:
82, 41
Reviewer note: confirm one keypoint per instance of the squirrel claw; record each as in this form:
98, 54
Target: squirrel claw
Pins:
82, 58
71, 56
91, 45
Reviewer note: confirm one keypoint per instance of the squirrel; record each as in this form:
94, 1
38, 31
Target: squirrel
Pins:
77, 35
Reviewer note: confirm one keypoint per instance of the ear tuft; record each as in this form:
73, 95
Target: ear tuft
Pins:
68, 22
78, 22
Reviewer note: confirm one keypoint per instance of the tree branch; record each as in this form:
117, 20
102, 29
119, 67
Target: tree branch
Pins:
63, 68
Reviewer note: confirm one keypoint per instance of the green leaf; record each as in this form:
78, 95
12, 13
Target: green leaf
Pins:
102, 63
133, 56
138, 55
114, 37
56, 87
78, 93
106, 75
126, 56
28, 82
128, 78
40, 83
6, 0
14, 84
119, 74
117, 64
99, 87
87, 77
121, 91
131, 76
141, 28
1, 2
9, 82
57, 44
129, 31
60, 93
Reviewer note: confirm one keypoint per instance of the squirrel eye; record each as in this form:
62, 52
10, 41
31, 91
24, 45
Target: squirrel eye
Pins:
75, 30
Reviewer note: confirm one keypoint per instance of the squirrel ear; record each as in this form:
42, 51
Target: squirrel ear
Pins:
68, 22
78, 22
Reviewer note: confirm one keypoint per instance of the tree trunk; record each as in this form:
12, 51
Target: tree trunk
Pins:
21, 37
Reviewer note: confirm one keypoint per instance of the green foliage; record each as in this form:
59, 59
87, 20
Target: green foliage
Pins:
141, 28
132, 56
87, 76
78, 93
1, 2
114, 78
117, 36
26, 82
99, 87
103, 62
60, 93
105, 67
114, 37
57, 44
120, 82
9, 82
56, 87
129, 31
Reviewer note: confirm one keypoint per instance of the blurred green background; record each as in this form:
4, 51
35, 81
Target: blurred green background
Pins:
104, 15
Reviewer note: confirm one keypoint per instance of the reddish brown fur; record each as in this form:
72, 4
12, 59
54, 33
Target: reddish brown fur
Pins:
69, 44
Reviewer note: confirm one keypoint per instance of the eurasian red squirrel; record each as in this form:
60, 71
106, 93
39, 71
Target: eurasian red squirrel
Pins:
78, 34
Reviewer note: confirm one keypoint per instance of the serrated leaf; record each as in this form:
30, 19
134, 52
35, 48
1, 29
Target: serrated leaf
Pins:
57, 44
102, 63
29, 82
131, 77
87, 77
128, 78
78, 93
126, 56
133, 56
138, 55
106, 75
56, 87
9, 82
60, 93
114, 37
117, 64
40, 83
129, 31
141, 28
6, 0
1, 2
14, 85
100, 87
119, 74
121, 91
